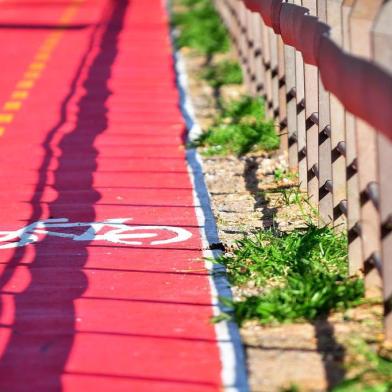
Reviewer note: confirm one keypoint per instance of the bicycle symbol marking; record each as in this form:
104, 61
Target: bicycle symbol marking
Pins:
119, 233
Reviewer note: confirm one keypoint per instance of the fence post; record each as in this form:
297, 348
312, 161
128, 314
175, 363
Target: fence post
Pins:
244, 43
382, 54
250, 40
324, 140
338, 141
273, 45
355, 255
282, 97
266, 55
257, 52
301, 128
291, 106
361, 20
311, 113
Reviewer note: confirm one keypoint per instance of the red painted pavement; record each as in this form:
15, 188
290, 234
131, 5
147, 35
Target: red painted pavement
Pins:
99, 136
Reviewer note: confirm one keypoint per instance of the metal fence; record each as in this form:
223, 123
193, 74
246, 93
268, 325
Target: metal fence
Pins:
324, 68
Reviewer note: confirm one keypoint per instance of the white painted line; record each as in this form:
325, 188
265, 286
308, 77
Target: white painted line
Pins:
234, 374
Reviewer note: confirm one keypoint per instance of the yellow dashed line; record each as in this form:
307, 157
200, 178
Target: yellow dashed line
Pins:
37, 65
42, 56
53, 38
19, 94
6, 118
69, 14
32, 75
25, 84
12, 105
48, 46
34, 71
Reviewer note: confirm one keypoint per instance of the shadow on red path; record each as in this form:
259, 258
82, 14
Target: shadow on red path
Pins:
44, 328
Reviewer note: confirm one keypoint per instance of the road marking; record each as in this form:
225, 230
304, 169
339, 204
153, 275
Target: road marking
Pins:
19, 94
42, 56
32, 75
37, 66
25, 84
119, 233
34, 70
6, 118
12, 105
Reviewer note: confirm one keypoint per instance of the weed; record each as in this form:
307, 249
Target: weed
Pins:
291, 388
239, 128
304, 273
281, 175
238, 139
290, 195
200, 28
222, 73
246, 109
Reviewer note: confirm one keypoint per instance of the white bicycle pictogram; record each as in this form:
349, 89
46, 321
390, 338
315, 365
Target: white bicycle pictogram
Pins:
119, 233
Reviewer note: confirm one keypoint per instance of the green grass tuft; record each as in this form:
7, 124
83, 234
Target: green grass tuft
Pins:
304, 272
300, 299
222, 73
240, 127
200, 28
246, 109
238, 139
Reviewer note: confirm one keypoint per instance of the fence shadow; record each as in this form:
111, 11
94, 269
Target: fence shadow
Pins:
252, 185
44, 328
331, 351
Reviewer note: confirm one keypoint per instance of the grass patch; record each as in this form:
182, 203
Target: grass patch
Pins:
223, 73
200, 28
304, 272
239, 128
284, 175
238, 139
246, 110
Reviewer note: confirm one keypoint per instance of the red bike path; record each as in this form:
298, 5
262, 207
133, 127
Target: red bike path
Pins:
91, 130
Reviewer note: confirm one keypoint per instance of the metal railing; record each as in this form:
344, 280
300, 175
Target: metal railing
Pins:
324, 68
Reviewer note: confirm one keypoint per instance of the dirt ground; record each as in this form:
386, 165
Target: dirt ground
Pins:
309, 356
